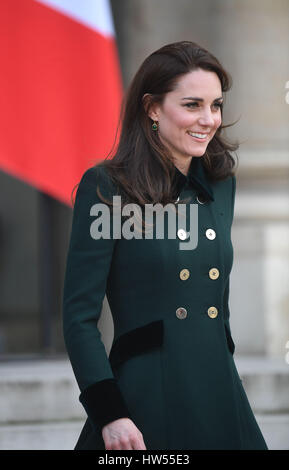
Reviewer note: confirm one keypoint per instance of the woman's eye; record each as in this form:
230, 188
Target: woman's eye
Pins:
195, 104
191, 105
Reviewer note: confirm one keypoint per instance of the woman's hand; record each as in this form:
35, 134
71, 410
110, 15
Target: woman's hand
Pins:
122, 434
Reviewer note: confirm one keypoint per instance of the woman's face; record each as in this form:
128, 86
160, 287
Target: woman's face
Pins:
192, 107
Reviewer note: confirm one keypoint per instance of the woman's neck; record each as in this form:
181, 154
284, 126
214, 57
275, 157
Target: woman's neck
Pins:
183, 165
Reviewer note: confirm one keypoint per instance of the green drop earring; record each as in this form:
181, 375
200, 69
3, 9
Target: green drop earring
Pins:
155, 126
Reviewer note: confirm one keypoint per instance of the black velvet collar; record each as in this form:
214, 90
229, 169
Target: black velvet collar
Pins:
196, 178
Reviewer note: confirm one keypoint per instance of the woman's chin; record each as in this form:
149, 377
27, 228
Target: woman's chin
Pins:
199, 152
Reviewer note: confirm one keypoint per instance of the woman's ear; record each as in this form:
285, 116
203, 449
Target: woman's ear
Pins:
150, 107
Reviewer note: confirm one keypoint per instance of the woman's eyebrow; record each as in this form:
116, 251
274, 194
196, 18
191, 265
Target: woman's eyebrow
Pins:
200, 99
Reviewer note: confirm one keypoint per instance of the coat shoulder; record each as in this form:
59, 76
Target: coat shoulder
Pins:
98, 178
225, 191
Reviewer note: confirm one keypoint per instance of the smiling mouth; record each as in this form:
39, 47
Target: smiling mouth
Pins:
198, 136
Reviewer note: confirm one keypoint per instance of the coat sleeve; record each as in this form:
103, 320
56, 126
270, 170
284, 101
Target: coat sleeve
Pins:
87, 268
227, 286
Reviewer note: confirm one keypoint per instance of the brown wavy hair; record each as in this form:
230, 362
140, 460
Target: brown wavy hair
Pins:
142, 168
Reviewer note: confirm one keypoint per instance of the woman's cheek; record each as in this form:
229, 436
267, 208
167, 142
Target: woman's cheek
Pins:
219, 122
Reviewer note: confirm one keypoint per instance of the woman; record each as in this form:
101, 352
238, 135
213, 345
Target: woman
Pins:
170, 381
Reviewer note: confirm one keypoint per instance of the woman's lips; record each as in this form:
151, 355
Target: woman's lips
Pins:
199, 139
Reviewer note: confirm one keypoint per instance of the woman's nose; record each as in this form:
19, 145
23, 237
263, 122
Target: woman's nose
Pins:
206, 118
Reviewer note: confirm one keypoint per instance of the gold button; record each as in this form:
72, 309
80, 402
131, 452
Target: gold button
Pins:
214, 273
182, 234
181, 313
201, 199
210, 234
212, 312
184, 274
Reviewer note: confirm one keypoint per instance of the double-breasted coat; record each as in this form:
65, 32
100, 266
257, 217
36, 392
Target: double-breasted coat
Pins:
171, 367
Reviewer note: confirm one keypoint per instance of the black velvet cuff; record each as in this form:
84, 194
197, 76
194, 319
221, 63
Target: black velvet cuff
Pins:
103, 403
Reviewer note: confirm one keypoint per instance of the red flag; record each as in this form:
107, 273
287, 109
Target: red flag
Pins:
60, 90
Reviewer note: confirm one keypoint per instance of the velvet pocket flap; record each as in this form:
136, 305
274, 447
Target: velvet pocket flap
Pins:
137, 341
230, 341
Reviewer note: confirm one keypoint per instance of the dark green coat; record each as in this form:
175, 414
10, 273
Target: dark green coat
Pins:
170, 370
